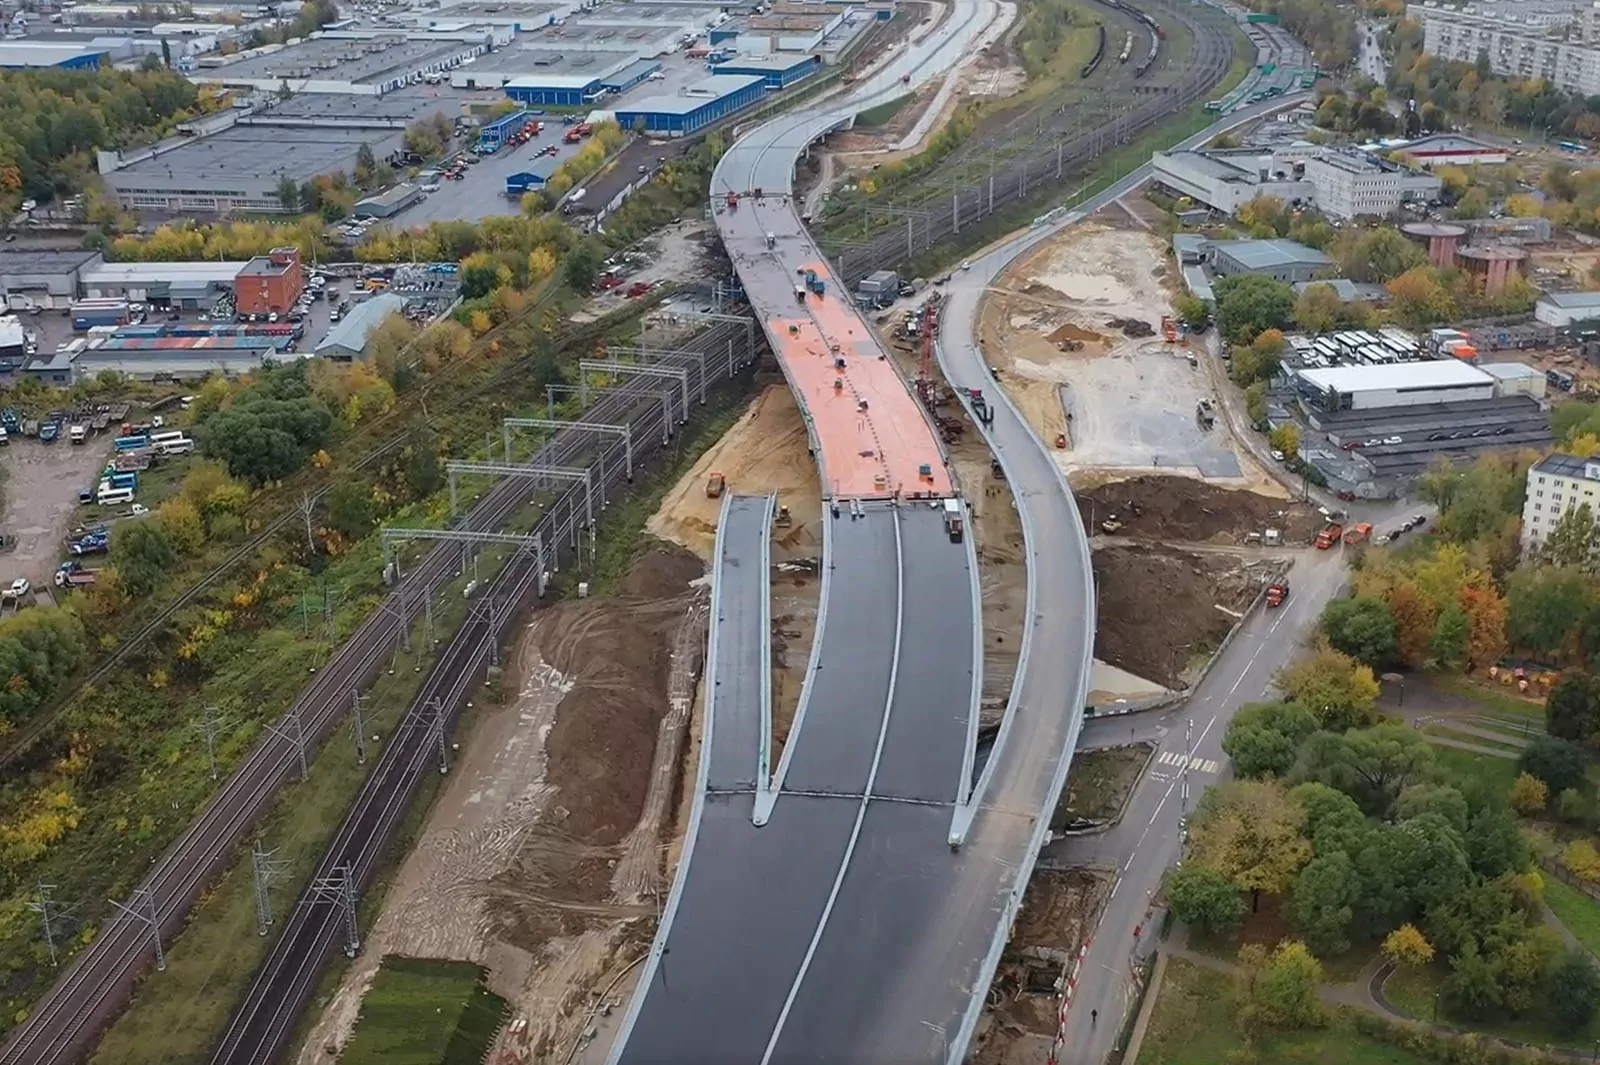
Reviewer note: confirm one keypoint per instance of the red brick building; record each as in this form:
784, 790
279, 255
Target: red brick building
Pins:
270, 283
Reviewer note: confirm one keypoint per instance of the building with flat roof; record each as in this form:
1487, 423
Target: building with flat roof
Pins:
1516, 49
53, 368
228, 357
1564, 309
32, 55
347, 341
1401, 384
1228, 179
1350, 184
271, 283
532, 177
776, 71
1516, 379
1556, 484
389, 202
1283, 260
698, 105
193, 285
520, 17
1348, 291
1450, 149
519, 61
43, 279
344, 62
577, 80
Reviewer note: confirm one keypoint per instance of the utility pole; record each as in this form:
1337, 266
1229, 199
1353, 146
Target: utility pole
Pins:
266, 870
340, 890
357, 727
308, 504
143, 910
43, 905
209, 725
293, 732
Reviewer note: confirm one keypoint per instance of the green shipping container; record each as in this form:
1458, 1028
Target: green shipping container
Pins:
1268, 68
1257, 16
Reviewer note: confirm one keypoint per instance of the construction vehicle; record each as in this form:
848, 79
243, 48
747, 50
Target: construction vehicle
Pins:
953, 520
1329, 536
772, 241
1359, 533
1203, 414
74, 575
715, 484
1169, 329
1277, 592
784, 518
1111, 526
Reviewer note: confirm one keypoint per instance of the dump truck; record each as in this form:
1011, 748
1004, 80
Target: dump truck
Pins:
772, 240
1329, 536
74, 575
954, 525
1169, 329
1277, 592
1359, 533
715, 484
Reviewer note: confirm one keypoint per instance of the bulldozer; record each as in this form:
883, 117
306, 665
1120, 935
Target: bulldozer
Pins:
715, 484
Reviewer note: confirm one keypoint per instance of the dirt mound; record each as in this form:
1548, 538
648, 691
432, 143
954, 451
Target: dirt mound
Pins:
1177, 508
1070, 332
1162, 612
663, 573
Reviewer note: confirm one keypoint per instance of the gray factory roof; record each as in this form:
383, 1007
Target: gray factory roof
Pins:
1350, 291
538, 62
37, 54
720, 85
1572, 300
1439, 373
1266, 254
1563, 466
1510, 371
250, 153
43, 262
1206, 164
143, 273
352, 59
398, 106
351, 334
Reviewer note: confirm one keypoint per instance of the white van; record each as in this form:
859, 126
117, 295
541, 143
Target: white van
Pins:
109, 496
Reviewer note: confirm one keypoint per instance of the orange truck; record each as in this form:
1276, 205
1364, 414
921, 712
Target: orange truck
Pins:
1329, 536
1277, 592
1359, 533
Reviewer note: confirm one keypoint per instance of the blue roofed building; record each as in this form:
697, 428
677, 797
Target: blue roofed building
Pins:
629, 76
777, 71
695, 107
32, 55
556, 90
532, 177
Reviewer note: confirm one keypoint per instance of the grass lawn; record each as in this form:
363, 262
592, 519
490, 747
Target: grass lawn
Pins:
1269, 926
1444, 731
1577, 911
1192, 1025
1414, 991
1500, 699
1490, 771
424, 1013
1099, 782
881, 114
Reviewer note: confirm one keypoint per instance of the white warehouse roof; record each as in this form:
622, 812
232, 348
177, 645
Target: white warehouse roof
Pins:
1405, 376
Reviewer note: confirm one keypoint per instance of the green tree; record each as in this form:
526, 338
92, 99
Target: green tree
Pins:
1472, 990
1285, 439
1572, 709
1380, 255
350, 508
144, 555
481, 274
1341, 692
366, 164
1250, 303
39, 648
1362, 628
423, 474
1574, 991
1262, 738
1333, 820
1495, 843
268, 430
1371, 765
1447, 649
1473, 204
1192, 312
1573, 539
1559, 763
582, 266
288, 194
1408, 868
1544, 605
1204, 899
1324, 900
1280, 992
1430, 798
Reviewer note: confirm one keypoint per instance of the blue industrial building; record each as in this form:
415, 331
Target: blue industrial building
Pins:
32, 55
495, 134
776, 71
629, 76
555, 90
696, 107
533, 178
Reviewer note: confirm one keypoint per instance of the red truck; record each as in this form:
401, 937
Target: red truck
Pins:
1329, 536
1359, 533
1277, 592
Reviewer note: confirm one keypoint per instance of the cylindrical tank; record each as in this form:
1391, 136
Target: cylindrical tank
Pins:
1493, 265
1442, 239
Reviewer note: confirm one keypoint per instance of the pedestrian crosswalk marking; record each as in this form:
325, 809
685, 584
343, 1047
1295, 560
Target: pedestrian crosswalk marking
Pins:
1199, 765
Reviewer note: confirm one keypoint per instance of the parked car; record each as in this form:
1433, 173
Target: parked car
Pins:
1392, 440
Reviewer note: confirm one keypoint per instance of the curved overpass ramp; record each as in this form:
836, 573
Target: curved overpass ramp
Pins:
849, 908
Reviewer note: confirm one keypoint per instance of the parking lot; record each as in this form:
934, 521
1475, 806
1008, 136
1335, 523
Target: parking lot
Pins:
1403, 441
40, 493
482, 192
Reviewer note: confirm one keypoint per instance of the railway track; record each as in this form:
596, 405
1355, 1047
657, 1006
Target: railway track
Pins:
18, 743
1048, 161
260, 1029
97, 982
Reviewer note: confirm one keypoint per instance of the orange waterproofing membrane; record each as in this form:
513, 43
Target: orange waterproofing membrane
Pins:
874, 437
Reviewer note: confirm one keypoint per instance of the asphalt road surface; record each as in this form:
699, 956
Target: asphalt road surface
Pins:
742, 632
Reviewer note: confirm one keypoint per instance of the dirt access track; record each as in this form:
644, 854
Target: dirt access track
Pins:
1074, 329
1170, 508
544, 858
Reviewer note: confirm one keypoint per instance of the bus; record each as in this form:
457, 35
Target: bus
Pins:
109, 495
173, 443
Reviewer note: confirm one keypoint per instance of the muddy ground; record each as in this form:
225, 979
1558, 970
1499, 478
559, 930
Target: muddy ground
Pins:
544, 858
39, 486
1171, 509
1057, 915
1099, 781
1163, 611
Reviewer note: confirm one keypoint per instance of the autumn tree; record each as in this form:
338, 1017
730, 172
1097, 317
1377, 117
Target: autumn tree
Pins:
1319, 309
1278, 990
1529, 794
1250, 832
1581, 860
1285, 439
1339, 691
1486, 625
1418, 300
1407, 947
